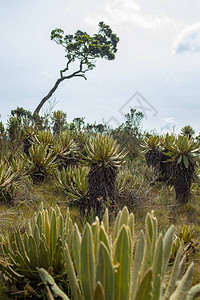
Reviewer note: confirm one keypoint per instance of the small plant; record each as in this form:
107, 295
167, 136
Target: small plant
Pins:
151, 149
184, 237
65, 150
40, 162
74, 182
41, 246
186, 234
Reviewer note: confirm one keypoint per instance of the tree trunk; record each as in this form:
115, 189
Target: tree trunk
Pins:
42, 102
101, 187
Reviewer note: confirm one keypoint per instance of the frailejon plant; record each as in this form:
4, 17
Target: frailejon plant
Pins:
65, 149
58, 119
74, 183
151, 150
40, 162
183, 153
41, 246
155, 151
44, 137
104, 156
99, 267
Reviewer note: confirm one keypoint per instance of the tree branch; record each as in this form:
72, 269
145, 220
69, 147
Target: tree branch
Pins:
78, 73
65, 69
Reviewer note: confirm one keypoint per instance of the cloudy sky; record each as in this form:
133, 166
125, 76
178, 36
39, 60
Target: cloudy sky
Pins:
156, 70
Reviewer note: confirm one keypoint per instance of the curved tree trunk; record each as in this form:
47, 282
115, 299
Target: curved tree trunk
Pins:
79, 73
42, 102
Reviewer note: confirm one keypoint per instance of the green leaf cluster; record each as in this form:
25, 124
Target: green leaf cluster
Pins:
186, 234
65, 148
8, 173
73, 181
182, 148
41, 246
150, 143
104, 151
85, 47
41, 161
101, 267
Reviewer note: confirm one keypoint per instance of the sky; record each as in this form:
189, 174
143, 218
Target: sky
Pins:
156, 70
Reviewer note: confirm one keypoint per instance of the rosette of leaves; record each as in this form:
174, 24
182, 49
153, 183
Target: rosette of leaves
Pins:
44, 137
183, 153
151, 150
65, 150
58, 119
102, 267
186, 234
41, 162
184, 237
41, 246
62, 179
187, 131
74, 182
104, 156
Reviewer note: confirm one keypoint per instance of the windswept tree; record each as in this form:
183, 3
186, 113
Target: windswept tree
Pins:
82, 49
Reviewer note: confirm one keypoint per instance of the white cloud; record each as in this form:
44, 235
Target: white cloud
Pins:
188, 40
168, 124
119, 11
